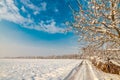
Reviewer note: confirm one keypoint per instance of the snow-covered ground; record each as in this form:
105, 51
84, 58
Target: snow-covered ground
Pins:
36, 69
51, 69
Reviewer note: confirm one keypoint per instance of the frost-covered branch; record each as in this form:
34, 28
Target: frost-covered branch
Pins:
98, 21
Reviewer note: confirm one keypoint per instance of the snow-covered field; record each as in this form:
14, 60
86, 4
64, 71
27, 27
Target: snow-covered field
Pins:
36, 69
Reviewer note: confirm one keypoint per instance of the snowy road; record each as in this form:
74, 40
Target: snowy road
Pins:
86, 71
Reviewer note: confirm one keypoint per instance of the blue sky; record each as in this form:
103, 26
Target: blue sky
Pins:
35, 27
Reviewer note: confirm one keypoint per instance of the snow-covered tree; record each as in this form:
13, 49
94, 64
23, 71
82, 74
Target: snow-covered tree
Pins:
97, 21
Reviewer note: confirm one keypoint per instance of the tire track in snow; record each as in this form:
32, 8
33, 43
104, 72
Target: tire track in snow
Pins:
84, 72
91, 72
73, 72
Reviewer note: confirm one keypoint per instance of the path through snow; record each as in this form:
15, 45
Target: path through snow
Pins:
86, 71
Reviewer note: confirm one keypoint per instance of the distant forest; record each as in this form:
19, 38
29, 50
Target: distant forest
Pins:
70, 56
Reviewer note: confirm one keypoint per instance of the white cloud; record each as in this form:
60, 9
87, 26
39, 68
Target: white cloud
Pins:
36, 9
29, 4
51, 27
9, 11
44, 5
36, 12
56, 10
23, 9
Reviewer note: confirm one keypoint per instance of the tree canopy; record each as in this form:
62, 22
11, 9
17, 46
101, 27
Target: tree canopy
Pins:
97, 22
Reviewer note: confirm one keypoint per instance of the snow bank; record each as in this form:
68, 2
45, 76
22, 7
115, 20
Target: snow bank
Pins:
109, 67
